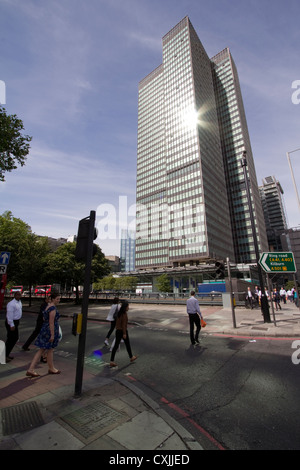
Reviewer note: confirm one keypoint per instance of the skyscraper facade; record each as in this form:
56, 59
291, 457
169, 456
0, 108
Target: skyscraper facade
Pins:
191, 203
127, 251
235, 139
271, 194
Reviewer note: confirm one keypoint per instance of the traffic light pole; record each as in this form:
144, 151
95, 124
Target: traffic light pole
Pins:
264, 298
85, 304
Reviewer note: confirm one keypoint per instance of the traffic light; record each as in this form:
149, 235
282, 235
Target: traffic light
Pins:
77, 324
85, 235
220, 270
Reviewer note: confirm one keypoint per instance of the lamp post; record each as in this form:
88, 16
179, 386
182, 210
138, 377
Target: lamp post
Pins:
264, 299
292, 173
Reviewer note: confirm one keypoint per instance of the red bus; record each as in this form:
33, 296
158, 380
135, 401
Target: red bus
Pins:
42, 290
16, 289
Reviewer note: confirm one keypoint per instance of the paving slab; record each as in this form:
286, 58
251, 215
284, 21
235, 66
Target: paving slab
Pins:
51, 436
146, 431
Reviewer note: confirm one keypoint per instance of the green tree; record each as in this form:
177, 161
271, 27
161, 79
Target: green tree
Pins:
62, 267
117, 283
289, 285
33, 253
107, 283
163, 283
14, 146
13, 238
129, 282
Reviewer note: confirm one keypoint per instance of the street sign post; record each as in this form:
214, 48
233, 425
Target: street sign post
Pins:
278, 262
4, 260
3, 268
89, 233
4, 257
3, 281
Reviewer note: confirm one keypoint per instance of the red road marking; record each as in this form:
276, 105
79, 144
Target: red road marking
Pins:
187, 416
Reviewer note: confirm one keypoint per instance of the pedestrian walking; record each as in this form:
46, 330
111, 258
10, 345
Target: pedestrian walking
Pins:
195, 315
122, 333
13, 316
276, 299
38, 326
48, 337
282, 294
296, 297
293, 293
259, 296
250, 297
256, 295
290, 295
112, 317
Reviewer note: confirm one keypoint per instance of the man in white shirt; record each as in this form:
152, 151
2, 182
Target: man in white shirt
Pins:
13, 316
283, 294
250, 297
193, 310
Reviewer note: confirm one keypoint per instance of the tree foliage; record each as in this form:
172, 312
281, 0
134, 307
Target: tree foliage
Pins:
127, 283
33, 262
62, 267
14, 146
34, 254
13, 235
163, 283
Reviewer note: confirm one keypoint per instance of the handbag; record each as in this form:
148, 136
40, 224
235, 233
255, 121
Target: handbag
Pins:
116, 312
59, 333
203, 323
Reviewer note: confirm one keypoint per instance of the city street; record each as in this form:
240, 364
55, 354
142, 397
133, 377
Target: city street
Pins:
149, 151
228, 392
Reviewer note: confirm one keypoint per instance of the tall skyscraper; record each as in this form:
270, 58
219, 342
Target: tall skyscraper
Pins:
191, 196
127, 251
271, 194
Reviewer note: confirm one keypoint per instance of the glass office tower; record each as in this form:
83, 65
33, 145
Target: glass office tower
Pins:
127, 251
235, 139
271, 194
184, 212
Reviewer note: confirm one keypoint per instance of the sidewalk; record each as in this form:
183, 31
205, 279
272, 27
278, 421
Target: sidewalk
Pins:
112, 413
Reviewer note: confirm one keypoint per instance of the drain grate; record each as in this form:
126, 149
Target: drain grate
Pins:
259, 328
20, 418
91, 419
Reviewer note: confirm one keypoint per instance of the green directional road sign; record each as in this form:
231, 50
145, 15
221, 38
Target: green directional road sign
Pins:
279, 262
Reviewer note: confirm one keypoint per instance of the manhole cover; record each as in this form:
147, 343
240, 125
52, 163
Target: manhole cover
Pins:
20, 418
92, 418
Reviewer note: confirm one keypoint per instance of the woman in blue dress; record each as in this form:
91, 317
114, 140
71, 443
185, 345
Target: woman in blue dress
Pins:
48, 337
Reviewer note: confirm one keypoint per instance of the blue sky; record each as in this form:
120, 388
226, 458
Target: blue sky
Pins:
71, 70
